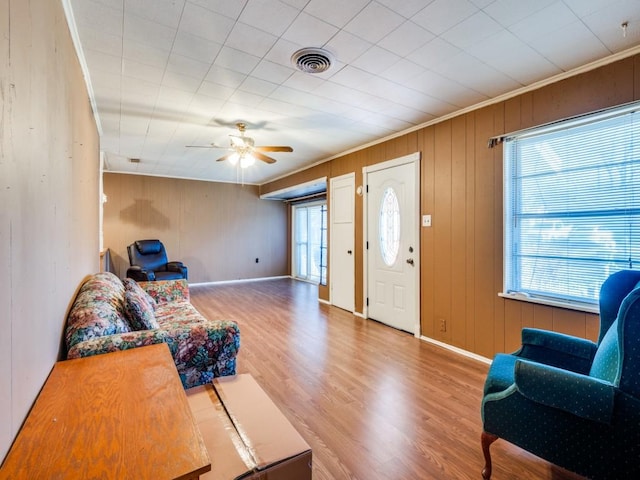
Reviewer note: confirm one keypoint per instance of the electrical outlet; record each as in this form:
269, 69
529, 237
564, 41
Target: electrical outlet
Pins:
257, 260
443, 325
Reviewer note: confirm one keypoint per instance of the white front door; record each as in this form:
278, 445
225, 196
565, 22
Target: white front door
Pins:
392, 236
342, 265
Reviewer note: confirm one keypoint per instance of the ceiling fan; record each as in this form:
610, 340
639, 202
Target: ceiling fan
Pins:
244, 151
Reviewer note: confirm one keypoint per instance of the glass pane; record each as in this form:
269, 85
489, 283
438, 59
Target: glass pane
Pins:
315, 238
323, 247
300, 228
302, 262
301, 225
389, 226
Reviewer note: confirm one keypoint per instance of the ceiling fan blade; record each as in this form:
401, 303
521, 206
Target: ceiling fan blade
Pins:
263, 157
224, 157
213, 145
273, 148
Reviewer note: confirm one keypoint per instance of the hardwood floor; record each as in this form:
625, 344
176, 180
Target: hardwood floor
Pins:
373, 403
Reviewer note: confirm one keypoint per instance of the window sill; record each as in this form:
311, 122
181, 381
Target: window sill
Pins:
582, 307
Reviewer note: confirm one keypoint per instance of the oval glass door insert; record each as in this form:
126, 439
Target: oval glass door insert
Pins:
389, 226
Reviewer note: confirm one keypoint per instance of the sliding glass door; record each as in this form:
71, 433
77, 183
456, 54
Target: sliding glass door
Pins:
310, 242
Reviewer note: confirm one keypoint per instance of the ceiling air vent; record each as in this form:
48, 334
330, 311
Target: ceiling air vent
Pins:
311, 60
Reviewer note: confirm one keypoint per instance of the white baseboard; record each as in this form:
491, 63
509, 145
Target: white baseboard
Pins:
457, 350
242, 280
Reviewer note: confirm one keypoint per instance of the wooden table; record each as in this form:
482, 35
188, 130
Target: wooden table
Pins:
115, 416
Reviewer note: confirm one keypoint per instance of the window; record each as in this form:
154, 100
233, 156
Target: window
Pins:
572, 207
310, 242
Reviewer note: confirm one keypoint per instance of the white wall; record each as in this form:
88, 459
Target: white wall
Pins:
49, 172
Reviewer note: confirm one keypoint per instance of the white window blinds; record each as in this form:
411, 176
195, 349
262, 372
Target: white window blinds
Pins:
572, 206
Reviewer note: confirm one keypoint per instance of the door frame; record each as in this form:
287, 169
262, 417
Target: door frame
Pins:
332, 249
413, 158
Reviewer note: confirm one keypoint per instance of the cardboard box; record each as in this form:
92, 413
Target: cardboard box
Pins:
246, 435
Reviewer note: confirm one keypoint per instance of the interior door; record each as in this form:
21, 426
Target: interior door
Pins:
342, 266
393, 244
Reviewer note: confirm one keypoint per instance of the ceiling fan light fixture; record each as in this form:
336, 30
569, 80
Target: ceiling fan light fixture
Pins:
234, 158
312, 60
247, 160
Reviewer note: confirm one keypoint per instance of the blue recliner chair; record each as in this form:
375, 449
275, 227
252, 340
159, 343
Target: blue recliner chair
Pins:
568, 400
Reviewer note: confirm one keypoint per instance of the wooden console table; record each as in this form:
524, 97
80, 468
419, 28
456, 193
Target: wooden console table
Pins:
113, 416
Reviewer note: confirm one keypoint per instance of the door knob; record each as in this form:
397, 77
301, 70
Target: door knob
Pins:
410, 261
349, 252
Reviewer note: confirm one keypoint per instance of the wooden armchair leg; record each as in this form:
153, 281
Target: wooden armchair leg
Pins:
487, 439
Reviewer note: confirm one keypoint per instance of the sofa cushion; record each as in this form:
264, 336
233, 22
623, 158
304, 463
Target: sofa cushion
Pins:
139, 311
133, 286
98, 309
167, 291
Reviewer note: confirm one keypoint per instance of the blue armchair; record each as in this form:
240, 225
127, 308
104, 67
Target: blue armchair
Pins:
570, 401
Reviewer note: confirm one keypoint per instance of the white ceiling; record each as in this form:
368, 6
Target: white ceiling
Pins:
171, 73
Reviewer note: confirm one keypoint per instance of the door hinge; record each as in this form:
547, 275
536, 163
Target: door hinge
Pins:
367, 244
367, 301
367, 189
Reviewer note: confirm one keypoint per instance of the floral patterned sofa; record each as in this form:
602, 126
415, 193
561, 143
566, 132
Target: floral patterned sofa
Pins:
109, 314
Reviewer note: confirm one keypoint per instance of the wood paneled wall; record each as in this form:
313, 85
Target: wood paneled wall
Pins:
217, 229
461, 188
49, 172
